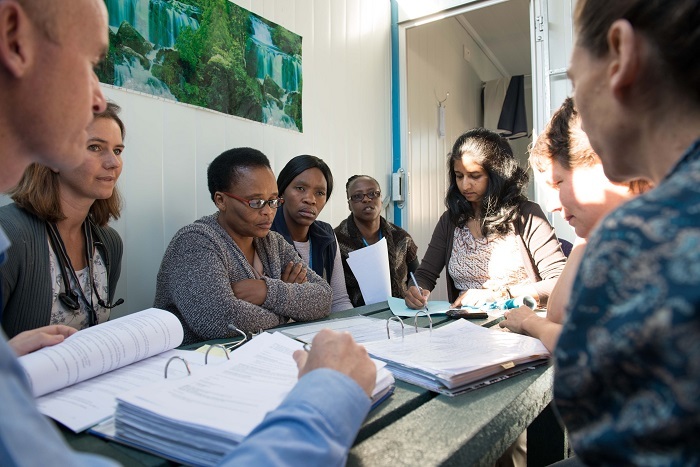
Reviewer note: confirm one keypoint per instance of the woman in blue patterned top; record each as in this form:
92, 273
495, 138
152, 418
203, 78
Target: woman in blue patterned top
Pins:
627, 379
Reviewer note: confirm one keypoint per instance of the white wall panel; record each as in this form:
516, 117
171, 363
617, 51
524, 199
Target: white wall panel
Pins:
347, 122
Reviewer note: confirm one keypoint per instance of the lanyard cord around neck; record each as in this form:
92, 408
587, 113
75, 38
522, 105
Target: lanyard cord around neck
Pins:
380, 237
69, 297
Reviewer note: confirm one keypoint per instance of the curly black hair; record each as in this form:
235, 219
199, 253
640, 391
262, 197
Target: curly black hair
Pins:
506, 181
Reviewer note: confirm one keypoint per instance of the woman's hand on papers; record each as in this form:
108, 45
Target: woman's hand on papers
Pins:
475, 297
35, 339
338, 351
416, 298
294, 273
514, 319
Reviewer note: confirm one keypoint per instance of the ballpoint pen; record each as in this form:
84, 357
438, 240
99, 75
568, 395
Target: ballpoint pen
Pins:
415, 282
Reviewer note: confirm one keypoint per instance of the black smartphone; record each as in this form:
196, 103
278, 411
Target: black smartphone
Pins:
468, 314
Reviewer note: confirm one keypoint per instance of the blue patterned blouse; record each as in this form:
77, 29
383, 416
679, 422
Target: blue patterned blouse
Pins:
627, 381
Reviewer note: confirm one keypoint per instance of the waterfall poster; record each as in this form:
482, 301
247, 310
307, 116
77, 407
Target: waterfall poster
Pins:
208, 53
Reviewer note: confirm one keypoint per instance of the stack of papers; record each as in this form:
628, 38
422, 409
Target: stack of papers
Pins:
76, 382
458, 357
198, 419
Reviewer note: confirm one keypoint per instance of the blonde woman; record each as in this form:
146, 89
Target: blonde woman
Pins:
64, 262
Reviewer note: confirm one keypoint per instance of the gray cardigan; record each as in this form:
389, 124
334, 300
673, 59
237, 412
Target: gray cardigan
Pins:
26, 280
201, 263
538, 243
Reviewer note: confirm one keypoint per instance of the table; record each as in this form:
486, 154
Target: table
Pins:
418, 427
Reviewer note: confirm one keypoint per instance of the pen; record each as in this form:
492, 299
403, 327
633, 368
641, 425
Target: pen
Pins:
415, 282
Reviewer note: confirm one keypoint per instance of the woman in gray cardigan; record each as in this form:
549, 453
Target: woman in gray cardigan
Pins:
228, 268
64, 262
493, 242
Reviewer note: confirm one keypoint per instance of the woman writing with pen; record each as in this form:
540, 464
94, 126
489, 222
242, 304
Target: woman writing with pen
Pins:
493, 242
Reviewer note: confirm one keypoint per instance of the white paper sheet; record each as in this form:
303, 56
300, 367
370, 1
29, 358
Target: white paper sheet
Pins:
370, 265
85, 404
101, 349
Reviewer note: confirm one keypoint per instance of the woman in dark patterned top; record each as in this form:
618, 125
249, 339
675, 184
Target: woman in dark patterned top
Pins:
493, 242
365, 226
627, 374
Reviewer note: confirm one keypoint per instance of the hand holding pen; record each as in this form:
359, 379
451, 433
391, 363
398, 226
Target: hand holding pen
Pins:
416, 297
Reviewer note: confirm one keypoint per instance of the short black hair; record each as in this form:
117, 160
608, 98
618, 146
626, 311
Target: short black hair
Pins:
355, 177
225, 169
299, 164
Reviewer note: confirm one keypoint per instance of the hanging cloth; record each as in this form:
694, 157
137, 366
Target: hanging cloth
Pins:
513, 121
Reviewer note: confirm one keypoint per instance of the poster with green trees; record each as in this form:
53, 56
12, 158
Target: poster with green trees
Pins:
209, 53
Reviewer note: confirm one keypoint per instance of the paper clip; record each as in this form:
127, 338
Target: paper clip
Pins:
415, 319
177, 358
394, 318
206, 355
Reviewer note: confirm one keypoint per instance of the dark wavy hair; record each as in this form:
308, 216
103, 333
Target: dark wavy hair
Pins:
225, 170
299, 164
506, 181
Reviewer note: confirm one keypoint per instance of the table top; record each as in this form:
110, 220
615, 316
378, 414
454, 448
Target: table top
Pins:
415, 426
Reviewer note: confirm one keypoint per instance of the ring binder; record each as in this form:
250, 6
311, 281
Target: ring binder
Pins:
425, 312
187, 365
206, 355
233, 345
394, 318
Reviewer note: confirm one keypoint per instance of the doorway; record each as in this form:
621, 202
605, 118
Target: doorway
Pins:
447, 63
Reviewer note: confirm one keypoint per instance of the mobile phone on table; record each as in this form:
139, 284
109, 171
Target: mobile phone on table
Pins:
468, 314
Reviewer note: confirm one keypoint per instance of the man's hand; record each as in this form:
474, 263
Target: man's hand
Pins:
294, 273
338, 351
35, 339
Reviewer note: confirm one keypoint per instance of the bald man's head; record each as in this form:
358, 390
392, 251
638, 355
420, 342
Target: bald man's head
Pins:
44, 14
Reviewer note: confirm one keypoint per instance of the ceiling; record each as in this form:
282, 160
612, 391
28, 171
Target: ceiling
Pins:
503, 32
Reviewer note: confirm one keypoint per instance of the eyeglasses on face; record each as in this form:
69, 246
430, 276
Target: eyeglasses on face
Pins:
257, 203
359, 197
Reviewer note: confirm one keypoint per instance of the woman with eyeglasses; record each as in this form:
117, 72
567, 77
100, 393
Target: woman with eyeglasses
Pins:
306, 183
494, 243
227, 269
365, 226
64, 262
